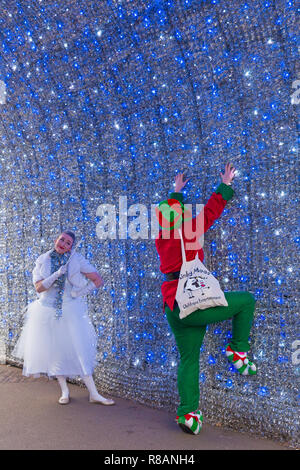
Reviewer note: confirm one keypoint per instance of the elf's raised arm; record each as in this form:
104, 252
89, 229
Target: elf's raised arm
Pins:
214, 206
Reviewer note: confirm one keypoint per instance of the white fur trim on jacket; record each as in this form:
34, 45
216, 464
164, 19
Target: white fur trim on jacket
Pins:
77, 265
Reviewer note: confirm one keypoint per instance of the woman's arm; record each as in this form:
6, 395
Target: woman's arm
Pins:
96, 282
39, 286
95, 278
44, 284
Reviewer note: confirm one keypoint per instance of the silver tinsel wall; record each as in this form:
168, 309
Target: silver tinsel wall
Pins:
102, 99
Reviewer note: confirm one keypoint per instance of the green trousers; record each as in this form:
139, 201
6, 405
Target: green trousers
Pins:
189, 333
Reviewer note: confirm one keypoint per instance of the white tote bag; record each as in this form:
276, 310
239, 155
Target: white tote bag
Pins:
197, 287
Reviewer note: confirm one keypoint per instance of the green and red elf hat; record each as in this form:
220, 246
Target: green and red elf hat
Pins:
170, 214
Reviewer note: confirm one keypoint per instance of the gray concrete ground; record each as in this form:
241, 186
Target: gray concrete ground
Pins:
31, 419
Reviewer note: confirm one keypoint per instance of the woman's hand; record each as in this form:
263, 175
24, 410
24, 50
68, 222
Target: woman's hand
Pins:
179, 183
62, 270
229, 174
45, 284
95, 278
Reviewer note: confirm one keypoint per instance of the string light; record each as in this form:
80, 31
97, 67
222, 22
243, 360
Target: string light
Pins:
112, 99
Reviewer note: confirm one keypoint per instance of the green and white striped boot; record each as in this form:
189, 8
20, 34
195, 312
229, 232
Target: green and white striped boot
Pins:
240, 361
191, 422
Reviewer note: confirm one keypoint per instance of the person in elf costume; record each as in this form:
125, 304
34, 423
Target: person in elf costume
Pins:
189, 331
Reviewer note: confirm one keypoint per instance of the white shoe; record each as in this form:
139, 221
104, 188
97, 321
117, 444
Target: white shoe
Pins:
64, 400
102, 400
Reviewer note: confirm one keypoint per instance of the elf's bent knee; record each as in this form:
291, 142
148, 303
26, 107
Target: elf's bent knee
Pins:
252, 297
249, 298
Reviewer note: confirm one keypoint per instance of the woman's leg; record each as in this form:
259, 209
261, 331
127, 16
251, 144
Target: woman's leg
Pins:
64, 399
95, 397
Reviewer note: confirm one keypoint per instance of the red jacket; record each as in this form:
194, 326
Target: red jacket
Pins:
168, 243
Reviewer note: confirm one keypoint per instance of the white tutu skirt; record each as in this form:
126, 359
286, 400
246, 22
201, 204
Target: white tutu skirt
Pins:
65, 346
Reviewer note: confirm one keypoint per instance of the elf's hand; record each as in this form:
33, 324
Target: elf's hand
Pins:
179, 183
229, 174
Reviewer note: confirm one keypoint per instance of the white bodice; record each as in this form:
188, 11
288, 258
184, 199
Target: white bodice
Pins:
75, 279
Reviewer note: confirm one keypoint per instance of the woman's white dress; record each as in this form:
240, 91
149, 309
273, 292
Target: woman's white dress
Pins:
58, 346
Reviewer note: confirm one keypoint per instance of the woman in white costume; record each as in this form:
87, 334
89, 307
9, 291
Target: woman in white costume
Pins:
58, 338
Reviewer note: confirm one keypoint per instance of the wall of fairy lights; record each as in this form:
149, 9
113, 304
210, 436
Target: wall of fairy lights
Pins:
108, 99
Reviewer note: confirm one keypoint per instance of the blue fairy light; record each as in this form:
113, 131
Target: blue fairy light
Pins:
202, 377
150, 356
229, 383
263, 391
212, 360
163, 357
235, 272
282, 359
217, 331
213, 247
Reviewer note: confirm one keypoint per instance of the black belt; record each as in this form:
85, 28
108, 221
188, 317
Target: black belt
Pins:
172, 276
